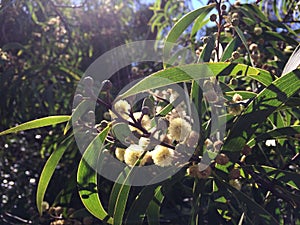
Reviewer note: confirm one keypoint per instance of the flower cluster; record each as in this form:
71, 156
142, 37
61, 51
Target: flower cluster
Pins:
154, 138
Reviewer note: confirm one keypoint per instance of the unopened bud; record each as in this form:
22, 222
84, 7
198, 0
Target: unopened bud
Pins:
235, 55
246, 150
193, 171
106, 85
253, 47
77, 99
235, 16
258, 31
222, 159
234, 174
88, 81
217, 145
145, 110
235, 22
213, 17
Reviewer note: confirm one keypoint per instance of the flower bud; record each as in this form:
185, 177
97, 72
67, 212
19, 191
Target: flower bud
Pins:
193, 171
213, 17
204, 174
235, 55
222, 159
45, 206
237, 97
246, 150
77, 99
106, 85
235, 16
253, 47
258, 31
145, 110
234, 174
217, 145
88, 81
235, 22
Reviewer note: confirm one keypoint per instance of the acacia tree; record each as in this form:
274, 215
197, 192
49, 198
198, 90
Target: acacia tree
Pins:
248, 174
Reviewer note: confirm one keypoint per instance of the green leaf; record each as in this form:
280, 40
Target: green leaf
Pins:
70, 72
139, 206
244, 94
242, 37
42, 122
46, 175
199, 23
271, 35
254, 10
276, 133
207, 50
287, 177
122, 197
153, 211
229, 50
187, 73
182, 25
79, 111
251, 205
259, 109
265, 77
87, 178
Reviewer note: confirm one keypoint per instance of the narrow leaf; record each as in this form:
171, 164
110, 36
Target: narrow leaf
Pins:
153, 211
182, 25
42, 122
187, 73
229, 50
242, 37
251, 205
260, 108
46, 175
87, 178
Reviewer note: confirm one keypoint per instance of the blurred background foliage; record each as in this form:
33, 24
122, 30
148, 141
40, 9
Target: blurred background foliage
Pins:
46, 45
45, 48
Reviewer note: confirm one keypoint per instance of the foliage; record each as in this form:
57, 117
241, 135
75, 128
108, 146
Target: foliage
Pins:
243, 68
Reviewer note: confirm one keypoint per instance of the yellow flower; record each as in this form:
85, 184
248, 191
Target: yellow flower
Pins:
237, 97
162, 156
237, 109
120, 153
179, 129
132, 154
122, 107
144, 142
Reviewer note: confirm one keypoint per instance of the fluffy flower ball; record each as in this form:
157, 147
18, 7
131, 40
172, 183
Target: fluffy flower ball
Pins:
120, 152
122, 107
162, 156
132, 154
179, 129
